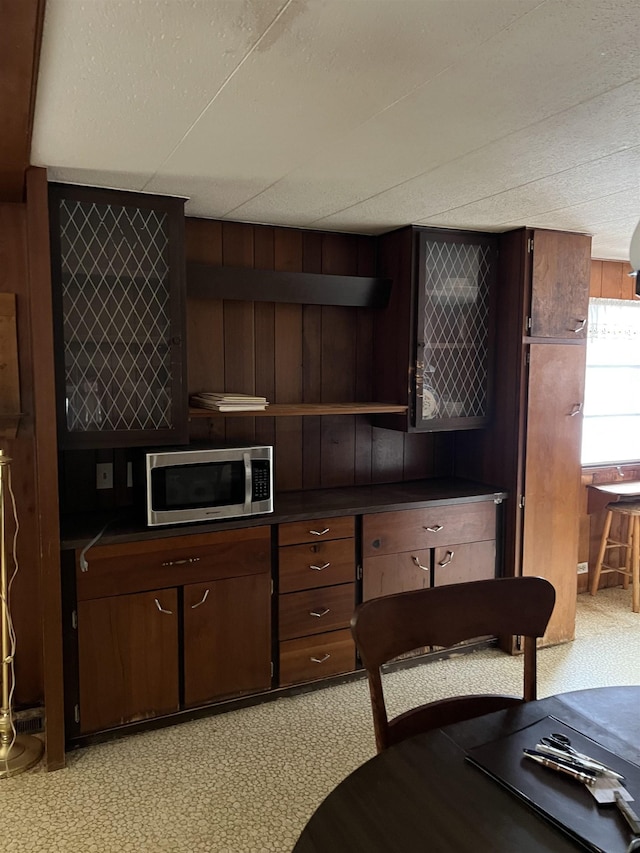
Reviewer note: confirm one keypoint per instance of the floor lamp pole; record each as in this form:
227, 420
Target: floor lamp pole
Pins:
18, 752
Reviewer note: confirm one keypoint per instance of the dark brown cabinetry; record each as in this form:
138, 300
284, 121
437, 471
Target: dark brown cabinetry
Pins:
227, 638
560, 266
532, 447
168, 624
317, 598
433, 344
118, 279
551, 490
420, 548
127, 658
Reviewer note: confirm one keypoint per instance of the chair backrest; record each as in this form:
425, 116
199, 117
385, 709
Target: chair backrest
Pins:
386, 627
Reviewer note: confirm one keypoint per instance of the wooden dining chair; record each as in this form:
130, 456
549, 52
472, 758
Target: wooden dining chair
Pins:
392, 625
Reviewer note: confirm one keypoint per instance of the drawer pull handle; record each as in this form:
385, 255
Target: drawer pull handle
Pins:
319, 532
204, 598
320, 613
181, 562
161, 608
320, 660
320, 568
419, 564
580, 326
435, 529
577, 408
447, 559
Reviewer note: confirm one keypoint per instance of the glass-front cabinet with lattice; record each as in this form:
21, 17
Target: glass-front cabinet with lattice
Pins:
433, 344
118, 284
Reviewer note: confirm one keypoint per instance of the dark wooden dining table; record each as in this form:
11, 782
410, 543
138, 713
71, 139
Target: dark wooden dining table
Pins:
424, 795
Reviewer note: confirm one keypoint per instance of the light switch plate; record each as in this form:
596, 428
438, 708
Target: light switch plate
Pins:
104, 475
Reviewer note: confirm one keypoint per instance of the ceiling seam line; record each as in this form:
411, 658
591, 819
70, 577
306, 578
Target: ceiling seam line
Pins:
536, 180
476, 150
222, 86
399, 100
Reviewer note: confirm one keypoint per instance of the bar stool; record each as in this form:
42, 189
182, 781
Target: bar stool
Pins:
630, 568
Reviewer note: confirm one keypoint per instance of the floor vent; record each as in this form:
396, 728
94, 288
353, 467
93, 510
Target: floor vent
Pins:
29, 722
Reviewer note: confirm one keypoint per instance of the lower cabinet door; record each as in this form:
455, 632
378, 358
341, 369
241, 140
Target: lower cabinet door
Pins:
127, 658
462, 563
391, 573
227, 638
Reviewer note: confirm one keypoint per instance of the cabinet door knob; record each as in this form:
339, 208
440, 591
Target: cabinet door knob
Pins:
577, 408
447, 559
319, 613
419, 564
202, 601
580, 325
319, 532
436, 528
161, 608
320, 660
320, 568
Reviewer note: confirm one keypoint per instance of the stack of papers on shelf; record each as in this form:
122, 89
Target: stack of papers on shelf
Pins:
219, 401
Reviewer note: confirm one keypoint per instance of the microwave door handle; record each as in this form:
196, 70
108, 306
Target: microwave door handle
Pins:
247, 482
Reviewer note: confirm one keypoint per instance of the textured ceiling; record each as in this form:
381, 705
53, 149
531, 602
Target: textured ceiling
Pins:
353, 115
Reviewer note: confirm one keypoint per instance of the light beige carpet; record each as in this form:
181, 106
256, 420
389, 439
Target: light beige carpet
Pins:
249, 780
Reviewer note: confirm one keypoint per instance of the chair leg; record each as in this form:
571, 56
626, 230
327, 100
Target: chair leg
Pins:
603, 544
628, 551
634, 523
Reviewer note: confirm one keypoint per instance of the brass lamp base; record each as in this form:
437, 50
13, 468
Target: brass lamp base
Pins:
19, 756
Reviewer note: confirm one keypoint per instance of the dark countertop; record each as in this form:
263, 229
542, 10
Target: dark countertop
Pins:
127, 525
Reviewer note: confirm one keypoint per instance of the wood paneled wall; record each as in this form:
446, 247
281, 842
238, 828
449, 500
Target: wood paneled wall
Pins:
35, 594
611, 279
25, 597
298, 353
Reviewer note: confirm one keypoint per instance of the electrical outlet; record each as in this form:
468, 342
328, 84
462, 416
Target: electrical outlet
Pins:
104, 475
583, 568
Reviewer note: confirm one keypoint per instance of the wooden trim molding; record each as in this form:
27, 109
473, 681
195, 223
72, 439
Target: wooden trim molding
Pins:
46, 464
20, 38
254, 285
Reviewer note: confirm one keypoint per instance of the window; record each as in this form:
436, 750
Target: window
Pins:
611, 427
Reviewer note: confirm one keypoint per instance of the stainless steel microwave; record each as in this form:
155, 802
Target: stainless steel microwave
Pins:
187, 484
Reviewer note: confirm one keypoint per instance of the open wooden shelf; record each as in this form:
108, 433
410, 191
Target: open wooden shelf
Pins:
278, 410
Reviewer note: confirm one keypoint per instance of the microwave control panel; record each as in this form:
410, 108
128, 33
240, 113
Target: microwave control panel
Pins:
261, 479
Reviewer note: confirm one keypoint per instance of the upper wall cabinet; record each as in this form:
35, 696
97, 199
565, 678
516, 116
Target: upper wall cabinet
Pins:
560, 272
118, 279
433, 344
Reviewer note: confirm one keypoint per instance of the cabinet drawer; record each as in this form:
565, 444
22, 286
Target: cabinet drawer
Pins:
395, 532
315, 530
315, 657
173, 561
461, 563
316, 611
316, 564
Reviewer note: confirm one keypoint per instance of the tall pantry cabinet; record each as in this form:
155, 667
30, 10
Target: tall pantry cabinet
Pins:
532, 447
